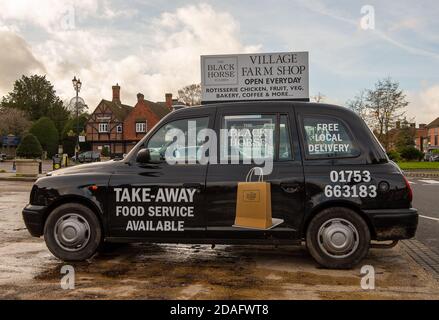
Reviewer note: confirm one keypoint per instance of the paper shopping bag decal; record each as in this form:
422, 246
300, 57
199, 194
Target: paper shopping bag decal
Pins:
253, 205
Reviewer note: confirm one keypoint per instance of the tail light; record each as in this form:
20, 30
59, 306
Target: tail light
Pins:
409, 189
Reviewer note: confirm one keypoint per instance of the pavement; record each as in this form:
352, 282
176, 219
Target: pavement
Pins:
168, 271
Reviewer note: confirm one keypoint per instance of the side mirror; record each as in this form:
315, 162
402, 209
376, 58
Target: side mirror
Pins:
143, 156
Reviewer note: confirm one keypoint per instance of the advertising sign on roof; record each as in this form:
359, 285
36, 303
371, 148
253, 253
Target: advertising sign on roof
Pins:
259, 76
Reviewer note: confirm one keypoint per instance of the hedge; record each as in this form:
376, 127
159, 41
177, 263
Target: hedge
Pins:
29, 147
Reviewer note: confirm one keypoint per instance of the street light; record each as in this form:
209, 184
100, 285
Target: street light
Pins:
77, 87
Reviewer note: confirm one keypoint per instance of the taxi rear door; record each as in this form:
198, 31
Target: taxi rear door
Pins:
286, 178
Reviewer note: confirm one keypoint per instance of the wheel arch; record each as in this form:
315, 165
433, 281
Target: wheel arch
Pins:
331, 204
76, 199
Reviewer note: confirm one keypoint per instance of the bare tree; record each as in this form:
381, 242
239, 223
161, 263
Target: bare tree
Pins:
190, 95
13, 121
318, 98
359, 105
386, 104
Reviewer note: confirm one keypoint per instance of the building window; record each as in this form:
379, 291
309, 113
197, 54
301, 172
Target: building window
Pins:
103, 127
119, 128
140, 127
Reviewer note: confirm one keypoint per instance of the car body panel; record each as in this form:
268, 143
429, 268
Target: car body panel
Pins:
298, 185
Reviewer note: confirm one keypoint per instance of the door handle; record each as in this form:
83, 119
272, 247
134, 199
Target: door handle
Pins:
197, 186
290, 187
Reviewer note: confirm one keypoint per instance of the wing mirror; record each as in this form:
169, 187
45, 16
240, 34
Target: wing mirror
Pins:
143, 156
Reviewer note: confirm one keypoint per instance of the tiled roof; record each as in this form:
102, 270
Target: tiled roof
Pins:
119, 110
159, 108
434, 123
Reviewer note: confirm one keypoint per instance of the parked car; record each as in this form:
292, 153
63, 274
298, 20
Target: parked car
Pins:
331, 185
88, 156
3, 157
432, 155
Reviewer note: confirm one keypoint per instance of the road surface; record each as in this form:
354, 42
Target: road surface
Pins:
426, 200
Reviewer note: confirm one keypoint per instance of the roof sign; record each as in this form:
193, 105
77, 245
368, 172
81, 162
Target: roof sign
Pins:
259, 76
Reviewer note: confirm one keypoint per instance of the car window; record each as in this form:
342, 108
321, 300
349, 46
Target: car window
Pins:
327, 137
250, 136
284, 139
159, 142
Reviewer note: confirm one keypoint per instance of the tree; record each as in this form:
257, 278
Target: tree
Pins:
36, 97
411, 153
190, 95
359, 105
405, 137
105, 151
381, 107
319, 97
45, 131
386, 104
29, 147
13, 121
68, 134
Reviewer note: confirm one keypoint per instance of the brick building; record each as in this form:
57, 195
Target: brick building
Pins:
119, 126
433, 133
419, 135
424, 136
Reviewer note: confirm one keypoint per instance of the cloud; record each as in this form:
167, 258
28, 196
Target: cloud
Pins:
424, 105
54, 15
164, 59
16, 60
49, 15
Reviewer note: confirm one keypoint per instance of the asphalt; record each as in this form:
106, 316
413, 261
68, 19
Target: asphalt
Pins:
426, 200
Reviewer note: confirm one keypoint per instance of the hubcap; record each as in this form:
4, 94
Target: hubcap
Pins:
72, 232
338, 238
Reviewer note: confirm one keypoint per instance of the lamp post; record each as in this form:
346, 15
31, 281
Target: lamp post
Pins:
77, 87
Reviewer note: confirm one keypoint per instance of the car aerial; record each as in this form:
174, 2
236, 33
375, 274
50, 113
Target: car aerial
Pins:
332, 186
88, 156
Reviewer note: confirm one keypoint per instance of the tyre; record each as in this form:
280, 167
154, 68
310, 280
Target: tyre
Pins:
73, 232
338, 238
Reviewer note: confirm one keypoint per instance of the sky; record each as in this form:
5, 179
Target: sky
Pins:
154, 46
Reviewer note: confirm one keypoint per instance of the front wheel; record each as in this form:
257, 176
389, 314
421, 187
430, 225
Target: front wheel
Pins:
73, 232
338, 238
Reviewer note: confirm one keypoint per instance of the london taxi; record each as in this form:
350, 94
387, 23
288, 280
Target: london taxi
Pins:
332, 187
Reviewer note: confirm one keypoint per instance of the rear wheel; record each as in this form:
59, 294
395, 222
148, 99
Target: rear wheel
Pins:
338, 238
73, 232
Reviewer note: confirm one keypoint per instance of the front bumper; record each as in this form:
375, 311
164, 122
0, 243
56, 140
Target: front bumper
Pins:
33, 217
394, 224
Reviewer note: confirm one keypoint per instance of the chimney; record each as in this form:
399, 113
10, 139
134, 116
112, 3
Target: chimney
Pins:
116, 93
140, 97
168, 99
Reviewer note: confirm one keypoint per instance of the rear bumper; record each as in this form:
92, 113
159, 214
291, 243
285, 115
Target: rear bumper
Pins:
33, 217
394, 224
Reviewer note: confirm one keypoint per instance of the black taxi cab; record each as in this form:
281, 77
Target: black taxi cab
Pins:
332, 186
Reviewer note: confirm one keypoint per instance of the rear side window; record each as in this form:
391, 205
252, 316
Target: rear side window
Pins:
327, 137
